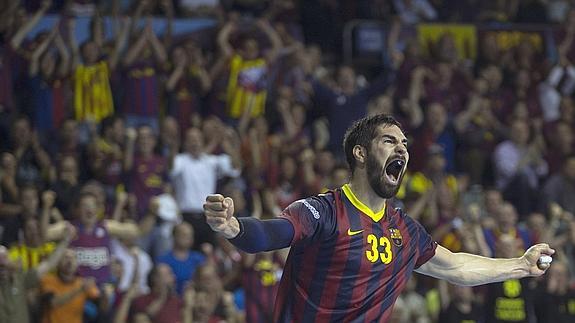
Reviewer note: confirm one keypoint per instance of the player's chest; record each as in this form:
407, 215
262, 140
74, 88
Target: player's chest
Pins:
373, 245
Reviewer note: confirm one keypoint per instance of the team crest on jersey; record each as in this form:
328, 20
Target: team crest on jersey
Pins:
396, 237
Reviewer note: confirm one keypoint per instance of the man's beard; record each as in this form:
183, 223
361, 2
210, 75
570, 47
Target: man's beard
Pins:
375, 177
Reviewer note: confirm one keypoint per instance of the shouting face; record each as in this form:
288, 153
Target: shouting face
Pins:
386, 161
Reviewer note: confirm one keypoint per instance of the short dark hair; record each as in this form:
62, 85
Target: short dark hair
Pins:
362, 132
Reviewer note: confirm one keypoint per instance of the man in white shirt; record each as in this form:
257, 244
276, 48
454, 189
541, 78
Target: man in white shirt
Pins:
194, 175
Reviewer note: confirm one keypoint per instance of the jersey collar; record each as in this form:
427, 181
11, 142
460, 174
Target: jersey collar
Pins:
375, 216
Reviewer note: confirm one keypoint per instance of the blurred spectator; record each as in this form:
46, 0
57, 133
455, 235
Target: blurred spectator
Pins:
212, 304
511, 300
106, 154
187, 83
518, 166
37, 235
67, 185
92, 93
170, 137
555, 296
436, 129
92, 245
561, 146
148, 172
560, 188
194, 174
134, 261
10, 192
162, 304
29, 203
182, 259
248, 69
32, 161
507, 229
18, 283
461, 306
47, 74
141, 103
260, 280
346, 102
65, 293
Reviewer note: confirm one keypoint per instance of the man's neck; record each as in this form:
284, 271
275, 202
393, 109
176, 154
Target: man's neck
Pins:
362, 190
181, 253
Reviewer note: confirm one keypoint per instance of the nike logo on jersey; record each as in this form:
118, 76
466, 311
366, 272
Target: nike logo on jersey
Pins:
352, 233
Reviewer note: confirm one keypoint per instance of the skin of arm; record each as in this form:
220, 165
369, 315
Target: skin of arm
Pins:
131, 135
64, 67
48, 198
274, 39
230, 145
189, 298
175, 76
73, 43
122, 230
121, 202
38, 52
50, 263
157, 47
168, 8
472, 270
119, 44
147, 223
224, 40
41, 155
135, 50
18, 38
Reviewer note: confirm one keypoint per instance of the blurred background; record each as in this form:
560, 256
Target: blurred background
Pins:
118, 117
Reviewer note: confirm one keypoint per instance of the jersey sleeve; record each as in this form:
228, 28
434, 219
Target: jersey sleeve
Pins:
425, 245
312, 219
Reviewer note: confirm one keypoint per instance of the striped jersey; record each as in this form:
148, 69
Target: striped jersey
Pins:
347, 263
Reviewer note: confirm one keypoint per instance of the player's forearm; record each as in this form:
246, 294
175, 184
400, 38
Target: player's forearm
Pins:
256, 235
472, 270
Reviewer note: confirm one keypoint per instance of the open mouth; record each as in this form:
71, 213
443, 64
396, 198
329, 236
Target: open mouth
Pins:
393, 170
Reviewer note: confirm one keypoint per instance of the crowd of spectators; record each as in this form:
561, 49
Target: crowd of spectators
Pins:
110, 146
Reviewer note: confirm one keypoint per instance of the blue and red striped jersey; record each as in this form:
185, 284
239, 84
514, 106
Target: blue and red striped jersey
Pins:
347, 263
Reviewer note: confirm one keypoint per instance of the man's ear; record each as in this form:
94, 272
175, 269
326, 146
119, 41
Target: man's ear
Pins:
360, 154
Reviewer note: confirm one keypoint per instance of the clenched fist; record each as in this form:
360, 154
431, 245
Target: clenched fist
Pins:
532, 256
219, 213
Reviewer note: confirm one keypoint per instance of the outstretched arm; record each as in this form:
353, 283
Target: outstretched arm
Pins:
472, 270
249, 234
